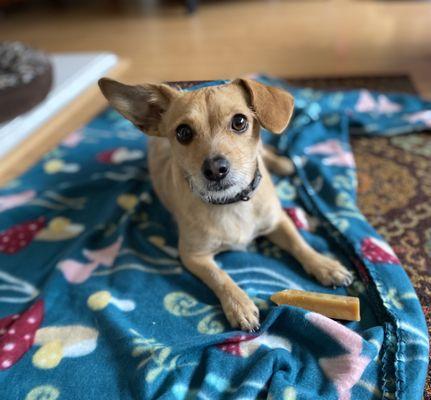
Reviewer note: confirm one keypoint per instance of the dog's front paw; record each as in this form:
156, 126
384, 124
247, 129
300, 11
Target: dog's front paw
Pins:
240, 310
329, 271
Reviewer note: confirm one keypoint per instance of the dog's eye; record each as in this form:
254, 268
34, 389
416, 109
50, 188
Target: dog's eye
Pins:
239, 123
184, 134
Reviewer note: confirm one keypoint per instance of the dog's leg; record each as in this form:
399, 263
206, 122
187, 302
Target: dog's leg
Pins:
278, 164
239, 309
326, 270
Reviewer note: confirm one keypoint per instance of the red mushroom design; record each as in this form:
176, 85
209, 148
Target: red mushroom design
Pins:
17, 333
377, 251
298, 217
19, 236
106, 157
233, 345
246, 345
119, 155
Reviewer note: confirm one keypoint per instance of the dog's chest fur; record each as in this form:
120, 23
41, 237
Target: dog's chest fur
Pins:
237, 225
205, 227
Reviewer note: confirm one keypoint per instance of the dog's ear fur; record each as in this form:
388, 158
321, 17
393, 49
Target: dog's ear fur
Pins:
142, 104
272, 106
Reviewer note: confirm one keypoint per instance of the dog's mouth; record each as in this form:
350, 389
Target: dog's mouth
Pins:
226, 191
219, 186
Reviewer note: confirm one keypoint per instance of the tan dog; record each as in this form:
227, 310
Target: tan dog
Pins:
207, 166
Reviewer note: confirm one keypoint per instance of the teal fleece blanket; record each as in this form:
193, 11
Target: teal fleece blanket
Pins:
95, 304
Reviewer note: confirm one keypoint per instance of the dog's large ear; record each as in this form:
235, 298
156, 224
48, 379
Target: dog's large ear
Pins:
273, 106
143, 104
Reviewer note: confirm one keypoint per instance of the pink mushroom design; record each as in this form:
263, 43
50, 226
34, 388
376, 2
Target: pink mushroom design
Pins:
377, 251
333, 149
382, 105
298, 217
19, 236
344, 159
421, 116
105, 256
78, 272
15, 200
330, 146
73, 139
17, 334
75, 271
233, 344
344, 370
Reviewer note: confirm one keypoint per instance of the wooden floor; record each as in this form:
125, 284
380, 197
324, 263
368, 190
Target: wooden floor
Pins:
229, 38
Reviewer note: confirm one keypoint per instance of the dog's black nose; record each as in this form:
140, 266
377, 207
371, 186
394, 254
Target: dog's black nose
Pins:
215, 168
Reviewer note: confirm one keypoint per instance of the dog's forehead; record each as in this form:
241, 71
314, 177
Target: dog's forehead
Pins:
218, 99
227, 94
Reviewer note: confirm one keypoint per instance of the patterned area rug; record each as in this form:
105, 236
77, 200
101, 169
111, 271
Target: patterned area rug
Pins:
395, 188
395, 196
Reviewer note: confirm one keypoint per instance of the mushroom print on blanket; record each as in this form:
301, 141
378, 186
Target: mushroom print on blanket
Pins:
77, 272
298, 217
60, 228
105, 256
160, 243
423, 117
10, 201
343, 370
19, 236
333, 153
247, 345
58, 342
73, 139
17, 334
55, 166
119, 156
367, 104
127, 201
100, 300
377, 251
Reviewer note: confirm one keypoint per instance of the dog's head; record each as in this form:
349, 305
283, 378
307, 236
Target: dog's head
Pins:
213, 131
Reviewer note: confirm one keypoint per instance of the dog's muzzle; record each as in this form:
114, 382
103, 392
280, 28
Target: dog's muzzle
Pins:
245, 194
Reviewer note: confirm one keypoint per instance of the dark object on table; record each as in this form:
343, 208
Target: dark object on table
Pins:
25, 78
191, 5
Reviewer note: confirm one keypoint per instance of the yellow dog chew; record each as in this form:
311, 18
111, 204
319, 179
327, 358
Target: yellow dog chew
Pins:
332, 306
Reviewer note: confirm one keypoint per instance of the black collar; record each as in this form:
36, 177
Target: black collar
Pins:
245, 194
